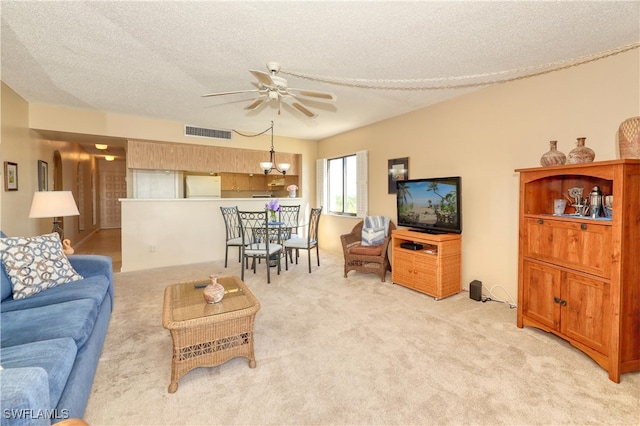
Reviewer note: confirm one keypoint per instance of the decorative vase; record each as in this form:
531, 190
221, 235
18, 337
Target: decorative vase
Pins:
580, 154
272, 215
553, 157
629, 138
292, 194
214, 292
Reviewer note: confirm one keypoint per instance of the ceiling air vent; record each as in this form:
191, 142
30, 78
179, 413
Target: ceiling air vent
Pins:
202, 132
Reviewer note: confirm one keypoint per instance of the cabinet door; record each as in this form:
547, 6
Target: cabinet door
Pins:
402, 272
542, 294
576, 245
586, 311
426, 273
227, 181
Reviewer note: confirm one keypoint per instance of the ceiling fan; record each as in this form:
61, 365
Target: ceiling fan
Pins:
272, 87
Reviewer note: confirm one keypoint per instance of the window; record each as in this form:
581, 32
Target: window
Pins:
342, 184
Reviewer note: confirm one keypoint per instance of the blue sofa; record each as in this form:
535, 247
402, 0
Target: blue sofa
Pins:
51, 343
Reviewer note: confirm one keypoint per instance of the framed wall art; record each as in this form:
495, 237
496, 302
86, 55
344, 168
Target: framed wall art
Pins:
10, 176
398, 169
43, 176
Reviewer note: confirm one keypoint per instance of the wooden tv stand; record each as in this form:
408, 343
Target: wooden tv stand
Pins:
434, 270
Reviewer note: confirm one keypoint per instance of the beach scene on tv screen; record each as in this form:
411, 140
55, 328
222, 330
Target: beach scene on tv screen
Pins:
427, 203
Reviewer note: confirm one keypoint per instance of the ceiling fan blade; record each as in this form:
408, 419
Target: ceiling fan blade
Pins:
313, 94
263, 78
303, 110
255, 104
229, 93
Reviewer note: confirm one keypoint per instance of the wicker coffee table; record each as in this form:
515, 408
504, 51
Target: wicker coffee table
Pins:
204, 334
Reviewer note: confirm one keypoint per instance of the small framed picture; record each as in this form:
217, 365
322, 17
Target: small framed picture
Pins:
43, 176
10, 176
398, 169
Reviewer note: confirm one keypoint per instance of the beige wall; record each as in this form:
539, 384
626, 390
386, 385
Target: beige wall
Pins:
24, 147
483, 137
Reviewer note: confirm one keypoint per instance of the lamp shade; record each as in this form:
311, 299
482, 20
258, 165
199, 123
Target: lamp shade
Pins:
53, 204
284, 167
266, 165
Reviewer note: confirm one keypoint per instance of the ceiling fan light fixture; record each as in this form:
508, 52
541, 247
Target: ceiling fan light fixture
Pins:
272, 87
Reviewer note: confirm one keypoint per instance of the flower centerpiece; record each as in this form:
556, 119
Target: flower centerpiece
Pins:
273, 206
292, 190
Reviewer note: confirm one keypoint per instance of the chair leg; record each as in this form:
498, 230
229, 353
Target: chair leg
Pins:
309, 259
286, 259
280, 261
266, 261
226, 254
318, 254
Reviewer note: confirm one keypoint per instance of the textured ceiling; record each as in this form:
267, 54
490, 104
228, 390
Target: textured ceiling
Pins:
156, 59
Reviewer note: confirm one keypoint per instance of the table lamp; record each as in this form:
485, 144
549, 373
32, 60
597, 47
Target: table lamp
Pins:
55, 204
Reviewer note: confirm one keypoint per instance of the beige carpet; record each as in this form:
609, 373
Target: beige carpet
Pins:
355, 351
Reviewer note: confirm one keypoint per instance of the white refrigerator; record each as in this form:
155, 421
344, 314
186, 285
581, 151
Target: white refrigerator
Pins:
202, 186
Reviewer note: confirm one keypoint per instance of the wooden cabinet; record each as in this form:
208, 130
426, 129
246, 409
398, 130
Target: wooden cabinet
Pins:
579, 277
153, 155
243, 182
434, 270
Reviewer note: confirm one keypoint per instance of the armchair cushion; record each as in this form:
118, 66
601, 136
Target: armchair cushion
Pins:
35, 264
362, 250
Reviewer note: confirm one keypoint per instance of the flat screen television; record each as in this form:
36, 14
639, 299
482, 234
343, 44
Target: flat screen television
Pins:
430, 205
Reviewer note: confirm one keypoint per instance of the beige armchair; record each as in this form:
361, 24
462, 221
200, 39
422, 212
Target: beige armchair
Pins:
366, 259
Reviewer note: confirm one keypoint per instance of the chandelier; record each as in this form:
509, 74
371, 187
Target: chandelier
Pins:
271, 165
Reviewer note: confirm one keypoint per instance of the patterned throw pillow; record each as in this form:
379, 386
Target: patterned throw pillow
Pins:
373, 236
35, 264
374, 230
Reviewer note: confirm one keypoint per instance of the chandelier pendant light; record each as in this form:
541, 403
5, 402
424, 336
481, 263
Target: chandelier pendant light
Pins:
271, 165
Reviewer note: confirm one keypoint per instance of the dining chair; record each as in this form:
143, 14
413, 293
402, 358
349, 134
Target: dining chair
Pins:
290, 215
233, 231
308, 243
257, 234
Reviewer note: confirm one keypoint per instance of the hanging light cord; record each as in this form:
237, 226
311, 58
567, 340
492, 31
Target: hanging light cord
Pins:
257, 134
382, 84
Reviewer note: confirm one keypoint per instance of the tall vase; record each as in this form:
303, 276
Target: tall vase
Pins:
292, 194
580, 154
629, 138
553, 157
